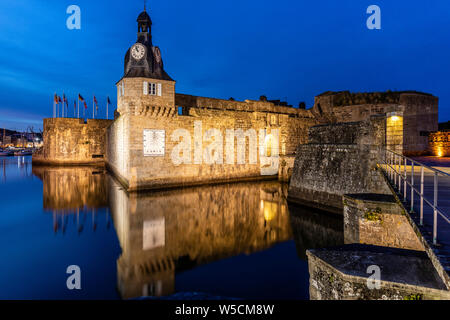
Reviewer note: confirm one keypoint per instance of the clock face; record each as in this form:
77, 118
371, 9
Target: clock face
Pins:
138, 51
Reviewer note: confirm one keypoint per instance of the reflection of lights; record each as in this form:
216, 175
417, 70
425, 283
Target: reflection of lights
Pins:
270, 210
440, 153
395, 118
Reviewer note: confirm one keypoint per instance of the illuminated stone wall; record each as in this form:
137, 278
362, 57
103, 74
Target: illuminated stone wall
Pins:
439, 143
125, 155
170, 231
420, 113
71, 141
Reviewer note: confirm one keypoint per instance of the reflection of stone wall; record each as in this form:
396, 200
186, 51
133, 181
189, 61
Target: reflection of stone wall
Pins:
71, 141
314, 229
175, 230
68, 188
440, 144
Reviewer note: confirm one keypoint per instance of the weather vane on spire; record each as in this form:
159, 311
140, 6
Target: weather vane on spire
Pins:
145, 3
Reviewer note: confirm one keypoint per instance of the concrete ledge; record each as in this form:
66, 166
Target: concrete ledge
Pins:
340, 273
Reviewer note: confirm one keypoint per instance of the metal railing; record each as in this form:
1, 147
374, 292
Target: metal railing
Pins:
395, 167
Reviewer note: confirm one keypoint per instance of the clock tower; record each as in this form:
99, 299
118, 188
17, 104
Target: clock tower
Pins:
145, 82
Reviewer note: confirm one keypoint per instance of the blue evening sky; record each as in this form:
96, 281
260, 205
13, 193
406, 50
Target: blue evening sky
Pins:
285, 49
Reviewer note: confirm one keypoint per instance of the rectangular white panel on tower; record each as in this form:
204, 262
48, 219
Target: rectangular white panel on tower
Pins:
154, 143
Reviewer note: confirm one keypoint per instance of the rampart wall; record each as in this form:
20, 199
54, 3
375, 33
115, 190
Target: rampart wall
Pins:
72, 141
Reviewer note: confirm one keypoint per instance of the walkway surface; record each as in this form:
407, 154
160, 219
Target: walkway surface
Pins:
442, 249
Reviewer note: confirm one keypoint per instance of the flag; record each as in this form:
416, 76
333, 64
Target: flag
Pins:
96, 103
59, 100
108, 101
55, 99
74, 106
80, 97
85, 105
65, 100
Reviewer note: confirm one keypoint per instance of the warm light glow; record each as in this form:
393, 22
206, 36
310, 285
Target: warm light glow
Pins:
270, 210
440, 153
268, 143
395, 118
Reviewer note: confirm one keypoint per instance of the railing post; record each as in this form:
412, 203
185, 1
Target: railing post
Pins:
399, 173
405, 178
435, 208
421, 194
396, 170
390, 167
412, 187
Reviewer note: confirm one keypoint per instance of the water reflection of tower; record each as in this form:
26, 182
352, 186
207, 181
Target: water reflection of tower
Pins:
167, 232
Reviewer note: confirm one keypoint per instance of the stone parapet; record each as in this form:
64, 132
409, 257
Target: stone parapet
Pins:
342, 273
377, 219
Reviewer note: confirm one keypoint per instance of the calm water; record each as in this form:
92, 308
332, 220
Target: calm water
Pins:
235, 240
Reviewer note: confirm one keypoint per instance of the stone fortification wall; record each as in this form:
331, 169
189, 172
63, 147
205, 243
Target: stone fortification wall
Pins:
338, 159
378, 220
72, 141
186, 138
418, 111
187, 102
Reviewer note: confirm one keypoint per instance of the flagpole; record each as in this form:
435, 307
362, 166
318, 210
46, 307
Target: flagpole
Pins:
78, 107
93, 109
63, 105
54, 107
107, 110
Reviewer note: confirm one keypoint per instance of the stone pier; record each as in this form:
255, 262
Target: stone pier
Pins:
342, 273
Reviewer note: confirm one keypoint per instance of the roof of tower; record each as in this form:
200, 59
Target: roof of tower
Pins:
143, 16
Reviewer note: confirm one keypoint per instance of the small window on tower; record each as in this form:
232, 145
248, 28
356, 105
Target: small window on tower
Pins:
152, 89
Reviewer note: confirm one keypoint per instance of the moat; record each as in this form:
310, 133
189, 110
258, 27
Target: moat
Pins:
240, 240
